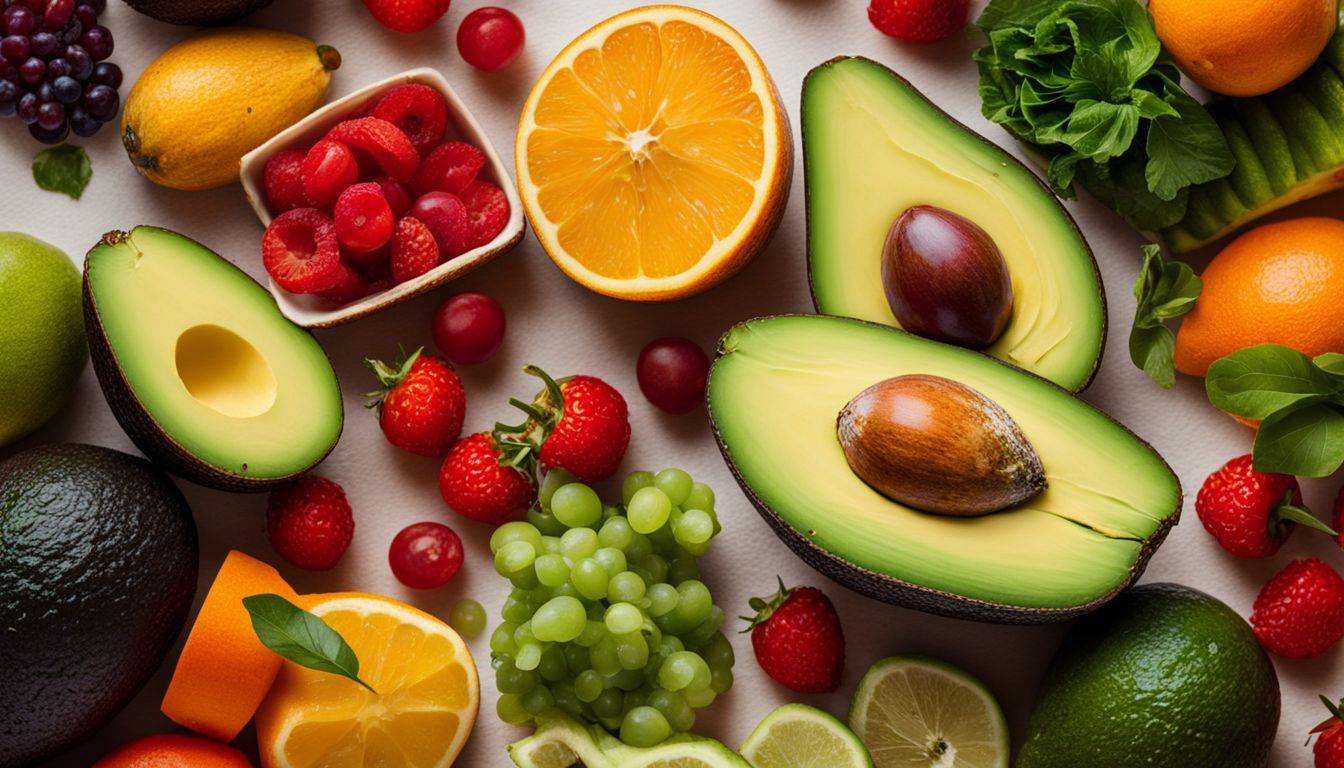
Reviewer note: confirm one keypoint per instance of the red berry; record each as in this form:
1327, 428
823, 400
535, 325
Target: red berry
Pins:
300, 252
586, 426
396, 195
363, 217
798, 640
672, 373
406, 15
1300, 611
352, 287
1251, 513
283, 180
414, 251
488, 209
468, 327
489, 38
381, 141
418, 110
1338, 517
448, 168
476, 485
370, 262
309, 522
447, 219
421, 404
328, 168
1329, 749
425, 555
919, 21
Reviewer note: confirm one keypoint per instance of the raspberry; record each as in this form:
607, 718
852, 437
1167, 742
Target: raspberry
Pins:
488, 210
414, 251
418, 110
363, 217
447, 219
328, 168
283, 180
406, 15
919, 21
449, 168
382, 141
300, 252
369, 262
352, 287
396, 195
309, 523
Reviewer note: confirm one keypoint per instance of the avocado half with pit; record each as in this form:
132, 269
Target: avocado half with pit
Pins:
874, 147
775, 392
199, 366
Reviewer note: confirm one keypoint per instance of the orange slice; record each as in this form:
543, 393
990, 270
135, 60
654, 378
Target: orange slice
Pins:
653, 155
428, 693
224, 671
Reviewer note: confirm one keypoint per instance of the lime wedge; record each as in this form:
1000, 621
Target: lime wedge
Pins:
699, 753
561, 742
799, 736
915, 712
558, 742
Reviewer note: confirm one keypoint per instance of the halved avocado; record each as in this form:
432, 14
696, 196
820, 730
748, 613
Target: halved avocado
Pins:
774, 394
199, 366
874, 146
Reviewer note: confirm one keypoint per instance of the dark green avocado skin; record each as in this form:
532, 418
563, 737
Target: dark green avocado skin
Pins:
98, 564
197, 11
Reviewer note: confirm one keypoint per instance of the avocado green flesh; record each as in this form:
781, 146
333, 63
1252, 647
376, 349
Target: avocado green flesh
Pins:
874, 147
209, 357
774, 395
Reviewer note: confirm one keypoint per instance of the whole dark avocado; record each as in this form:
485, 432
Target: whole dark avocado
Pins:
98, 563
199, 12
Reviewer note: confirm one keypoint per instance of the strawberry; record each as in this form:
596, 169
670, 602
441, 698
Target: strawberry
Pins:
487, 208
579, 424
421, 405
477, 483
283, 180
380, 141
414, 250
919, 21
309, 522
798, 639
1329, 748
1300, 612
448, 168
326, 170
1252, 513
406, 15
418, 110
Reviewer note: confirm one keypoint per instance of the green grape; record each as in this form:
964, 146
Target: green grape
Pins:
510, 709
511, 679
514, 557
590, 578
696, 550
640, 547
554, 480
609, 703
623, 618
517, 609
523, 634
699, 697
467, 617
648, 510
703, 676
700, 497
515, 531
693, 604
679, 670
576, 505
524, 579
529, 656
550, 545
613, 560
652, 634
625, 587
592, 632
633, 482
576, 658
588, 686
674, 707
675, 483
721, 679
552, 570
578, 543
538, 700
637, 697
663, 541
628, 680
644, 727
609, 512
553, 667
662, 599
655, 567
682, 569
616, 533
603, 656
671, 644
501, 640
560, 620
705, 630
564, 590
566, 699
693, 527
545, 522
718, 652
633, 651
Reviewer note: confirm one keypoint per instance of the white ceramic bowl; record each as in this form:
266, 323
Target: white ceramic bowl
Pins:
314, 312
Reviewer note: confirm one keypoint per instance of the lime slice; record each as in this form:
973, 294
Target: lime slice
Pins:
558, 742
799, 736
699, 753
915, 712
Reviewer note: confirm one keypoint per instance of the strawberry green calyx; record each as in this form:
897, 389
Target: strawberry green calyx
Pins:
519, 443
1336, 719
765, 608
389, 376
1288, 512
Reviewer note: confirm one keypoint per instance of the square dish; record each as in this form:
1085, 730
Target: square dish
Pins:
314, 312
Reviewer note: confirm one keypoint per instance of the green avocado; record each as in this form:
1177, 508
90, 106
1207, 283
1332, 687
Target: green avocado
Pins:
98, 559
873, 147
199, 366
774, 395
1163, 676
197, 12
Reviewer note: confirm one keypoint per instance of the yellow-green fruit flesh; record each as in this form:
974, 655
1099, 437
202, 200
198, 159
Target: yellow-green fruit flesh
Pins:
42, 350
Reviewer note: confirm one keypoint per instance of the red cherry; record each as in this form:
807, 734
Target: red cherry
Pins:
468, 327
425, 555
672, 372
490, 38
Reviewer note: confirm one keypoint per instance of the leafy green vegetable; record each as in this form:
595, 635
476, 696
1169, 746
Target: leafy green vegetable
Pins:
1085, 83
301, 637
64, 168
1165, 290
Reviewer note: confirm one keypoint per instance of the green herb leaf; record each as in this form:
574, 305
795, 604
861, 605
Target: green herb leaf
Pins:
1259, 382
1331, 362
1013, 13
1307, 441
1165, 291
301, 637
64, 168
1185, 149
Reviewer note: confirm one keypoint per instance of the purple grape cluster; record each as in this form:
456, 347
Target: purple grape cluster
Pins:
53, 69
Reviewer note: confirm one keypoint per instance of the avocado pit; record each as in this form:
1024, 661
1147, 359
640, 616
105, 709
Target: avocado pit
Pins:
939, 446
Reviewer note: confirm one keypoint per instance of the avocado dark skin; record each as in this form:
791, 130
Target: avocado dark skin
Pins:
98, 565
197, 12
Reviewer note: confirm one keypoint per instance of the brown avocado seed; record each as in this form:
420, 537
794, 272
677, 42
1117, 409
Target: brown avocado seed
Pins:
939, 446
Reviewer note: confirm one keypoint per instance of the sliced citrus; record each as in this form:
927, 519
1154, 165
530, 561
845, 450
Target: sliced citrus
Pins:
224, 671
653, 155
558, 742
421, 716
799, 736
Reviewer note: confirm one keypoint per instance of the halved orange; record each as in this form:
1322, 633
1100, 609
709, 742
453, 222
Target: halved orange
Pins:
427, 693
653, 155
224, 671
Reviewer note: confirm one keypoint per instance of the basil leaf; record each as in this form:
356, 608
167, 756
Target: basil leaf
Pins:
1306, 441
1186, 149
64, 168
1099, 130
1258, 382
1330, 362
301, 637
1165, 290
1013, 13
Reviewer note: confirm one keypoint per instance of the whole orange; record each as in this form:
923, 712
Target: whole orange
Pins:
1244, 48
1280, 283
171, 750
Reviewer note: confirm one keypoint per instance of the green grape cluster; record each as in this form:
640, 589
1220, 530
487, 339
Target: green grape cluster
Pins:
608, 619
